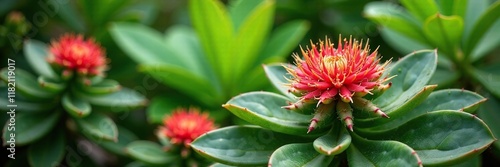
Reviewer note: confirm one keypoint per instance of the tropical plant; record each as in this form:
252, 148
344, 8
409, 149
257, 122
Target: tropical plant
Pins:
220, 58
65, 104
465, 34
336, 105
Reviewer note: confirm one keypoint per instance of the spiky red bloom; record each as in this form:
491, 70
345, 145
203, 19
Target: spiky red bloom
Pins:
329, 72
183, 126
74, 53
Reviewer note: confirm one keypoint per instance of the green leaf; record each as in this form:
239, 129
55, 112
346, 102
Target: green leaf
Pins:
161, 106
368, 153
444, 77
143, 44
489, 77
473, 162
250, 36
241, 145
125, 137
98, 126
488, 112
264, 109
481, 27
278, 76
394, 18
149, 152
49, 151
334, 142
51, 85
198, 87
437, 136
283, 40
26, 84
240, 10
400, 42
105, 86
75, 106
296, 154
421, 9
118, 101
36, 53
452, 7
25, 105
490, 41
33, 127
215, 31
412, 73
448, 99
444, 32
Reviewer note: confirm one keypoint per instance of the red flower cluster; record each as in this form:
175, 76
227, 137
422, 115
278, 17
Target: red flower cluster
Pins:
183, 126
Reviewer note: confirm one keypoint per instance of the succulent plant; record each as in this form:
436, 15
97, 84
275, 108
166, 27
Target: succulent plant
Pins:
70, 99
422, 127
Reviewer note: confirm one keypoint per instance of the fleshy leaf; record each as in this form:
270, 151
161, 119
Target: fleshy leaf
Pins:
421, 9
278, 75
264, 109
489, 77
36, 53
51, 84
125, 137
49, 151
98, 126
24, 104
367, 153
334, 142
283, 40
412, 72
488, 112
394, 18
447, 99
298, 154
241, 145
34, 127
76, 106
27, 84
402, 43
149, 152
103, 87
444, 32
481, 26
438, 137
125, 98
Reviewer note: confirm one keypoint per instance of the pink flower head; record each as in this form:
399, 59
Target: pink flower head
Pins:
183, 126
341, 74
74, 53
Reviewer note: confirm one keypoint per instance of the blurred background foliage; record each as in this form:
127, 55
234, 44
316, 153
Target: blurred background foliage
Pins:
45, 20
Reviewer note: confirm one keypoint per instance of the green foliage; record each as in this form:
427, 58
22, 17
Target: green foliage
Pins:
424, 128
465, 32
217, 59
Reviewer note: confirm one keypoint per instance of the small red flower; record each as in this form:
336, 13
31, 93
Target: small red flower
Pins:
74, 53
341, 74
183, 126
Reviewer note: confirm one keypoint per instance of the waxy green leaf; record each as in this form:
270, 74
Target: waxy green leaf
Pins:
241, 145
149, 152
283, 40
489, 77
481, 26
438, 137
125, 98
75, 106
421, 9
28, 127
299, 154
363, 152
444, 32
26, 84
36, 53
51, 85
334, 142
125, 137
447, 99
265, 109
488, 112
98, 126
278, 76
394, 18
49, 151
103, 87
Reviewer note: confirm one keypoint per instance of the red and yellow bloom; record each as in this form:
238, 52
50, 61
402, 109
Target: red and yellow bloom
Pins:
327, 75
74, 53
185, 125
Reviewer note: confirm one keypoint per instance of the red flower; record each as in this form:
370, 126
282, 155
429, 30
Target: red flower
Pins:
183, 126
74, 53
336, 74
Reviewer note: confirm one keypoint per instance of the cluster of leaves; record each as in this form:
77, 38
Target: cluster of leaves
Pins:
465, 33
424, 128
55, 110
220, 58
